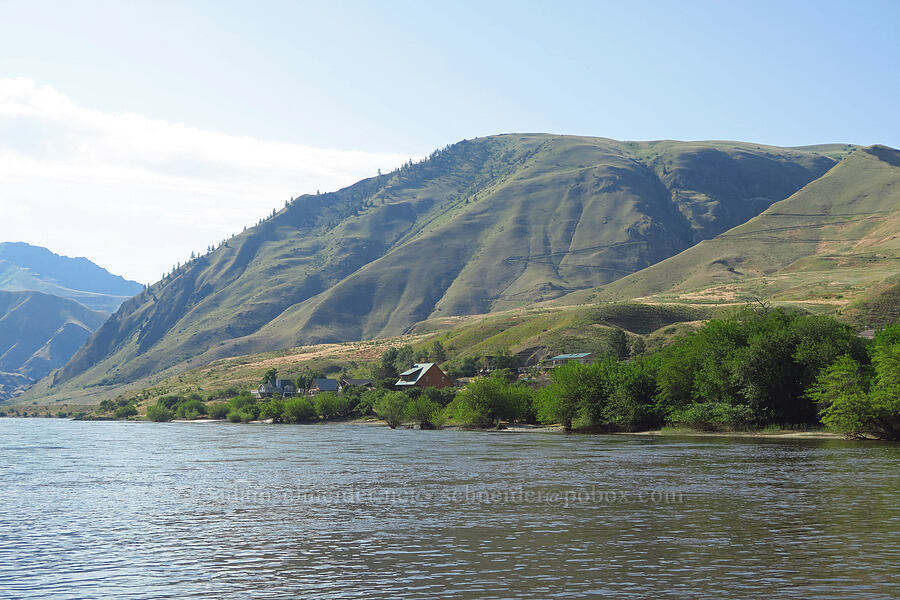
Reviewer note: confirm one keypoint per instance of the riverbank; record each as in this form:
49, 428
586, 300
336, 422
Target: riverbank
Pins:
526, 428
782, 434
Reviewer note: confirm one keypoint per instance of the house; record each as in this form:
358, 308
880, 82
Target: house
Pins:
564, 359
423, 375
265, 390
285, 387
324, 385
364, 383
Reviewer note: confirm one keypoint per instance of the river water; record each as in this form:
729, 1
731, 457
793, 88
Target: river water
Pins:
211, 510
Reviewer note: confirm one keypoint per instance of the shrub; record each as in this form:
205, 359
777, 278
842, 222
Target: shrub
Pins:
298, 410
190, 409
219, 410
273, 409
234, 417
860, 401
426, 413
106, 406
488, 400
442, 396
329, 405
126, 411
366, 404
159, 413
169, 401
245, 403
713, 416
392, 408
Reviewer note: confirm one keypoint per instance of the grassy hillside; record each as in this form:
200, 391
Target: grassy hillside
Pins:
484, 225
833, 243
532, 333
31, 268
39, 333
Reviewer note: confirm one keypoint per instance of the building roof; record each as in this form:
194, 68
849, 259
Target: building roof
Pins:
570, 356
411, 376
326, 385
280, 383
359, 382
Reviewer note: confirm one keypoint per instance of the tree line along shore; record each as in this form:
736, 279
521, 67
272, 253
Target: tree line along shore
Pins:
758, 369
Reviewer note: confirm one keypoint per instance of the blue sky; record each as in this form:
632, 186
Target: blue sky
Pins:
237, 106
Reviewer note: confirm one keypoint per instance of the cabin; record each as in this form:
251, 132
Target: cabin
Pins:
265, 390
363, 383
564, 359
285, 387
423, 375
324, 385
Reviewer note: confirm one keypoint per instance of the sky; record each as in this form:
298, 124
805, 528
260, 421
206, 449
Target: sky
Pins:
134, 133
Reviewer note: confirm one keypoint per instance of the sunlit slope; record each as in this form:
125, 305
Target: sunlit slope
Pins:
834, 241
484, 225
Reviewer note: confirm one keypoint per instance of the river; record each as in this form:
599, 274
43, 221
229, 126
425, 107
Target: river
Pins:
125, 510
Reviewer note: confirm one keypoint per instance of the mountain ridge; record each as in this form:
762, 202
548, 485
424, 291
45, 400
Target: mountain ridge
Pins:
480, 226
24, 267
843, 228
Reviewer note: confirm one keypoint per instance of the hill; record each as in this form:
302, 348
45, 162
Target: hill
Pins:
24, 267
39, 333
834, 243
532, 333
481, 226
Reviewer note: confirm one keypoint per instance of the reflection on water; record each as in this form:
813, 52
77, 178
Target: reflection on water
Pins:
132, 510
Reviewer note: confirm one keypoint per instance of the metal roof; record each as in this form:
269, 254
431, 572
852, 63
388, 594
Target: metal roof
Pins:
570, 356
418, 370
423, 366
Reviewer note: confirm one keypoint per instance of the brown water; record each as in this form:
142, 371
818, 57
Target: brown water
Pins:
140, 511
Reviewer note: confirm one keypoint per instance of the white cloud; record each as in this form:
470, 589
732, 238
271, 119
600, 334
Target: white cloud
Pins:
136, 194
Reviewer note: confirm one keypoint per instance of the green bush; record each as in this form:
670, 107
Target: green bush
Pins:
190, 409
442, 396
123, 412
106, 406
766, 360
273, 409
426, 413
609, 393
298, 410
366, 404
713, 416
329, 405
392, 408
863, 401
159, 413
245, 403
488, 400
169, 402
234, 417
219, 410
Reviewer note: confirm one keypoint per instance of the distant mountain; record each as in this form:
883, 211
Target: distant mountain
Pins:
836, 243
39, 333
480, 226
24, 267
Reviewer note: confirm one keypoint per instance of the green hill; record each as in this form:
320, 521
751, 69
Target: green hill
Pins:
481, 226
834, 243
39, 333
